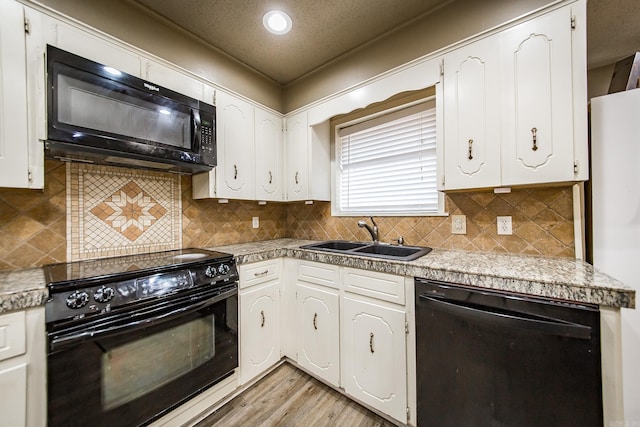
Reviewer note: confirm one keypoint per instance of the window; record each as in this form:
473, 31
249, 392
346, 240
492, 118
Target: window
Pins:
387, 165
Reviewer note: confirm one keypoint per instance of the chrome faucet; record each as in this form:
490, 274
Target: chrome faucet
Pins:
373, 231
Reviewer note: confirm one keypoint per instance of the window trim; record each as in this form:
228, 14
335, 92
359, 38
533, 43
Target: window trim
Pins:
378, 117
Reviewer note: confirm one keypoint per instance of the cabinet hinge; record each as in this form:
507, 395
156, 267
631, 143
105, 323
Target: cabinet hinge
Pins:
30, 175
408, 414
215, 92
575, 167
27, 26
573, 22
406, 327
442, 68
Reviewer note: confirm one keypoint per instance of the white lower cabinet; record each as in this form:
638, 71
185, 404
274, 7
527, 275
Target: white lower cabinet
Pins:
260, 328
318, 337
22, 368
375, 355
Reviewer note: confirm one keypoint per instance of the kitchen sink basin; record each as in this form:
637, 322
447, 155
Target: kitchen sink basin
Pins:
375, 250
336, 245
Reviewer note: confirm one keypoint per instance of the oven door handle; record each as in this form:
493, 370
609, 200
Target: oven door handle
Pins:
63, 341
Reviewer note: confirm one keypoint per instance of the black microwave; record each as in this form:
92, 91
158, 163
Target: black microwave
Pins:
99, 114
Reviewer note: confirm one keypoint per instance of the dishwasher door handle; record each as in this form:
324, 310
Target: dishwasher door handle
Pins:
550, 327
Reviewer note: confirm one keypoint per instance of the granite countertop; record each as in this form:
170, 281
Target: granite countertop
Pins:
562, 278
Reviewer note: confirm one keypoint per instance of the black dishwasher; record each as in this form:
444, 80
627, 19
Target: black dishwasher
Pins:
487, 358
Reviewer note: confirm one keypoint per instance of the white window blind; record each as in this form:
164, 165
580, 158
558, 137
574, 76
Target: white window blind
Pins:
387, 165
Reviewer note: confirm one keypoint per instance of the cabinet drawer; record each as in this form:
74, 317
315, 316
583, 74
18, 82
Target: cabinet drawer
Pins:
320, 274
12, 334
384, 286
259, 272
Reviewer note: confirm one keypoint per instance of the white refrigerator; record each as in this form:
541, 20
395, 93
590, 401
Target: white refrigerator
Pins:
615, 178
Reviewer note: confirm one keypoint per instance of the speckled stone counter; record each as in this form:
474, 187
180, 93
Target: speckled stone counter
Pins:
22, 289
562, 278
549, 277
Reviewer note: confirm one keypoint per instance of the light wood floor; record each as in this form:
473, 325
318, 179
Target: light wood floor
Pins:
288, 397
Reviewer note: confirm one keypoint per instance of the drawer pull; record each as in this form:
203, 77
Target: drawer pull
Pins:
315, 316
270, 177
471, 149
262, 273
371, 343
534, 132
235, 172
296, 178
262, 314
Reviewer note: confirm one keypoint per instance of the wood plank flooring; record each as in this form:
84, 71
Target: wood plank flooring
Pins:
288, 397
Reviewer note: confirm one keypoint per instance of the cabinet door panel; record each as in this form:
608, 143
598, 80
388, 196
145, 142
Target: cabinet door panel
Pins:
538, 103
318, 332
375, 356
259, 330
268, 156
14, 151
297, 157
13, 395
235, 129
471, 116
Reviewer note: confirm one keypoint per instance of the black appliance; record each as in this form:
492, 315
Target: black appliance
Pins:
488, 358
131, 338
101, 115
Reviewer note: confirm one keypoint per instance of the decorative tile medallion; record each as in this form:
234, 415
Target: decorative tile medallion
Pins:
115, 211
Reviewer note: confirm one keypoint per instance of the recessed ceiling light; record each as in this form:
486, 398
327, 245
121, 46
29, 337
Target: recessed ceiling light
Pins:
277, 22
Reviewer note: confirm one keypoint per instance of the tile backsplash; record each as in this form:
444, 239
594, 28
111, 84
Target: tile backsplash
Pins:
96, 211
115, 211
542, 223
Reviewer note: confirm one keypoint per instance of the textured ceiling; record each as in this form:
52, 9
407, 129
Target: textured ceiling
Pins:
324, 30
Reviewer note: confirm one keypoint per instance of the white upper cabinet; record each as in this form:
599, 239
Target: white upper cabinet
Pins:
269, 162
515, 105
307, 169
14, 146
235, 128
472, 116
234, 176
536, 78
297, 146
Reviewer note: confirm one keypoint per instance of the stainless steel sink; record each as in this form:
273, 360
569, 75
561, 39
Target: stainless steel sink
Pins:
378, 250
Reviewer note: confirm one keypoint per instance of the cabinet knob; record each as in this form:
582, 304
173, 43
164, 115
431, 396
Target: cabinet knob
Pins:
371, 343
534, 131
262, 315
471, 149
315, 316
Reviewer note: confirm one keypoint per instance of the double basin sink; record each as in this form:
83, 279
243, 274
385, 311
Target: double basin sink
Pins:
375, 250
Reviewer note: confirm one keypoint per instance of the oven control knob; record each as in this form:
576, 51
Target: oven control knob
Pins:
224, 269
77, 299
104, 294
210, 271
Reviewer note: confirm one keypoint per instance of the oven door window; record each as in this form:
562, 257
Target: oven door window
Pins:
134, 369
133, 377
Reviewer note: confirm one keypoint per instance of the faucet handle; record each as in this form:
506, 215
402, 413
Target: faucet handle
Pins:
373, 222
400, 240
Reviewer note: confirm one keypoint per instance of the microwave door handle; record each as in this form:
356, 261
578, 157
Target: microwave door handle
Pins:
195, 128
65, 341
